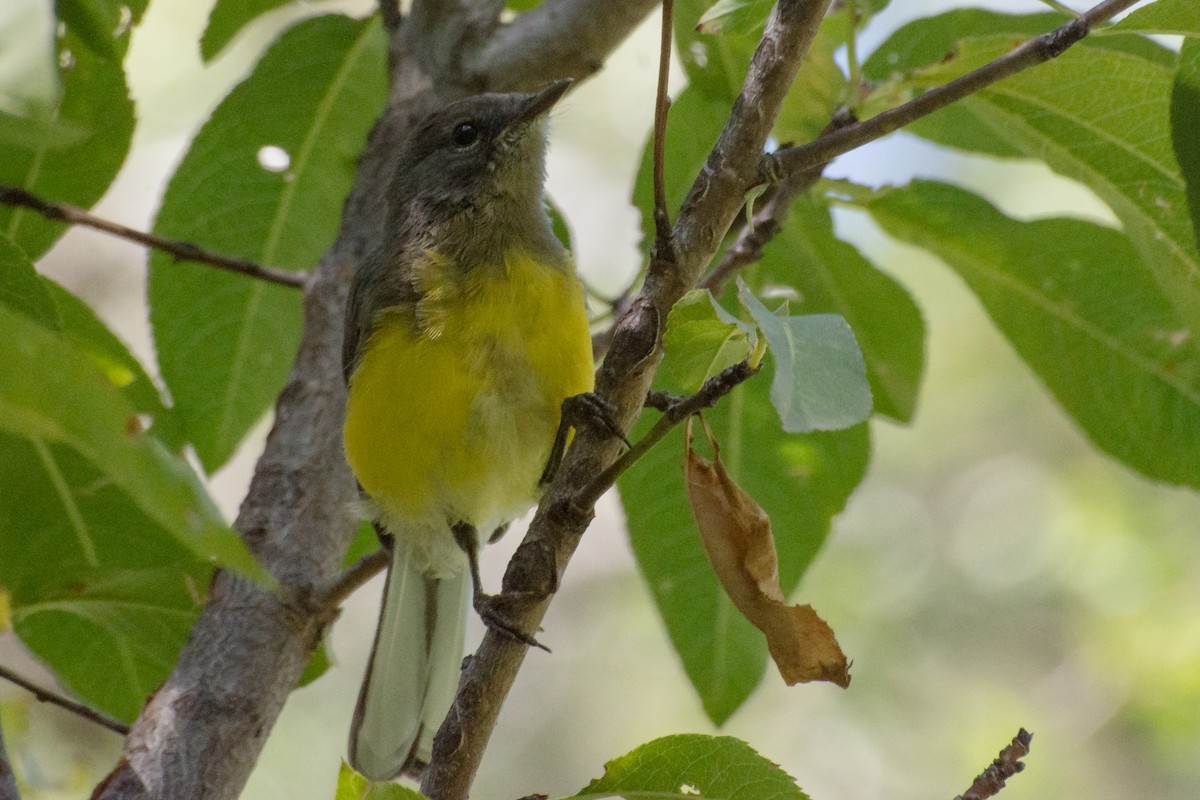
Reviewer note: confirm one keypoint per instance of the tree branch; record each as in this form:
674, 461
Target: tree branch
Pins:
182, 251
991, 780
662, 217
769, 218
558, 39
47, 696
778, 165
624, 379
353, 578
674, 410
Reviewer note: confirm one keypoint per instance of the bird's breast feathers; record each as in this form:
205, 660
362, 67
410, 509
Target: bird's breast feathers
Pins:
454, 418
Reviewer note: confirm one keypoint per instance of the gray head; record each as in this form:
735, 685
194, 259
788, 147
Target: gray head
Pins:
474, 153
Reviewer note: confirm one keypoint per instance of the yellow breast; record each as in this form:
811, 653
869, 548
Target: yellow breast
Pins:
453, 419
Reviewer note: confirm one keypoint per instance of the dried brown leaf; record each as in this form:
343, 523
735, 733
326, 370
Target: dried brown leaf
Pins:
736, 534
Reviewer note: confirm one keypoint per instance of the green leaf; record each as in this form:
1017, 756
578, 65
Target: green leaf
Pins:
1101, 117
818, 88
801, 480
931, 51
1185, 123
54, 397
225, 342
227, 18
90, 336
820, 378
99, 24
716, 60
317, 665
831, 276
106, 541
1086, 314
522, 5
930, 40
701, 339
44, 301
36, 129
739, 16
21, 288
353, 786
111, 634
694, 767
94, 106
1163, 16
365, 542
715, 64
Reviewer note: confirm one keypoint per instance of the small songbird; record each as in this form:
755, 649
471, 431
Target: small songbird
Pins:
466, 331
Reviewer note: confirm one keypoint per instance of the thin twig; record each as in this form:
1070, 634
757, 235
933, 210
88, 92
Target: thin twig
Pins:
778, 165
47, 696
182, 251
674, 410
1061, 8
662, 219
769, 219
989, 782
354, 577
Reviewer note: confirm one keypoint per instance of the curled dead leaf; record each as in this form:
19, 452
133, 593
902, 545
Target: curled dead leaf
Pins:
736, 534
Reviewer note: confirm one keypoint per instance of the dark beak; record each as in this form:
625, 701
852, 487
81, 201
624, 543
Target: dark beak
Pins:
535, 105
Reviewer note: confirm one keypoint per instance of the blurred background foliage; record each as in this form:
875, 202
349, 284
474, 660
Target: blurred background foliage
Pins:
992, 571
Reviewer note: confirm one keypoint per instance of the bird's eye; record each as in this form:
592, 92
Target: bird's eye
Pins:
464, 135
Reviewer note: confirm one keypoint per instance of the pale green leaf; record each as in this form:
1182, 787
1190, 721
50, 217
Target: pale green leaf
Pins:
831, 276
820, 378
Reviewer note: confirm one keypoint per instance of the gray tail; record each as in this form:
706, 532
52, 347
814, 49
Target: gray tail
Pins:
413, 671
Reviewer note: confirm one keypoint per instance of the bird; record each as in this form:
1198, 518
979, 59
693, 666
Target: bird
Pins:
466, 336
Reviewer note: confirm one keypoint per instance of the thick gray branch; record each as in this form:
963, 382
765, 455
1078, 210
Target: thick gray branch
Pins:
560, 38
